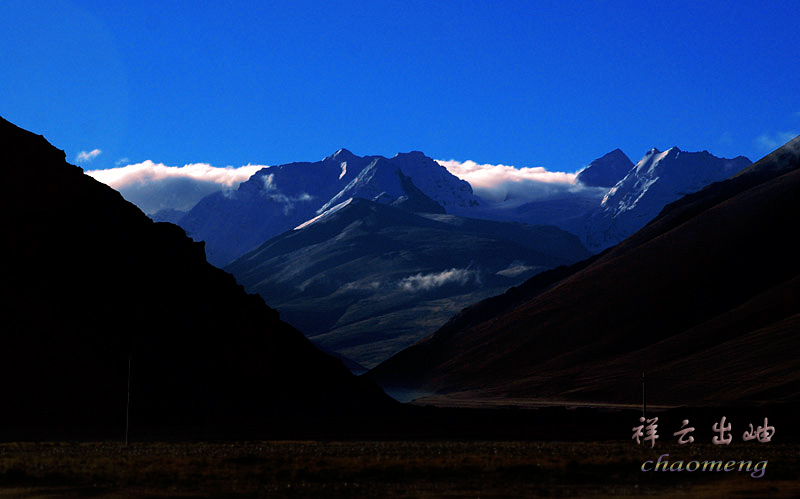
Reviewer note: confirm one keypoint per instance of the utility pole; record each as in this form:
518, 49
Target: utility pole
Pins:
128, 409
644, 397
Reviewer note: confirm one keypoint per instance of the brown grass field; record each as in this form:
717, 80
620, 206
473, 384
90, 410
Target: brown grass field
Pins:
386, 469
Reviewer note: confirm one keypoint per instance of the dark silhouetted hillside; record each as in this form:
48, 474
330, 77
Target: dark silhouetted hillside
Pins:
89, 280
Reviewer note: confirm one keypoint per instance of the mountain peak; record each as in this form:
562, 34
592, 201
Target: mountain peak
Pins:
411, 155
674, 277
435, 181
342, 155
606, 171
658, 179
384, 182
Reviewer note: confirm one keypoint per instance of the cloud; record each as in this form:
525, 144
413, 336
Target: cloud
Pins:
289, 201
771, 141
155, 186
515, 268
426, 282
507, 183
85, 156
361, 286
269, 182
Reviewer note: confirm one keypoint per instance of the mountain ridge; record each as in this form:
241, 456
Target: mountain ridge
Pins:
357, 270
632, 297
278, 198
656, 180
607, 170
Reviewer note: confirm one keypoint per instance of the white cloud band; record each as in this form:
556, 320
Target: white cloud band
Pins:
155, 186
504, 182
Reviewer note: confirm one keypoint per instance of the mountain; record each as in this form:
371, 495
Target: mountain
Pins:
452, 193
278, 198
606, 171
365, 279
657, 179
567, 211
385, 183
170, 215
92, 288
704, 299
320, 282
612, 198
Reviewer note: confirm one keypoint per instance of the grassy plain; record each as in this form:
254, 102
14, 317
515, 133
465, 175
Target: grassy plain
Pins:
385, 469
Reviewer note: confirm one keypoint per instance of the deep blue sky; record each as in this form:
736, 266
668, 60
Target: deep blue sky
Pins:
553, 84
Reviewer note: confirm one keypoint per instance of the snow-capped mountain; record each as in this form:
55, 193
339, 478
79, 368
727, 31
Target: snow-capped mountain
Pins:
707, 291
611, 200
454, 194
568, 207
279, 198
657, 179
365, 254
365, 279
606, 171
385, 183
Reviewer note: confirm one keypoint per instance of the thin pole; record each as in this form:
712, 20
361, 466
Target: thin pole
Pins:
128, 410
644, 396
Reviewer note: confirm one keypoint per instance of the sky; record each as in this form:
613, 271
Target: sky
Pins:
536, 84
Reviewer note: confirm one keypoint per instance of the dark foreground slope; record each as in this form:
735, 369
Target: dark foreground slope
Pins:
705, 299
88, 280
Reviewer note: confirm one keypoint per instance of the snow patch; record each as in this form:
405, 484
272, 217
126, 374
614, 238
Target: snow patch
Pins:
324, 214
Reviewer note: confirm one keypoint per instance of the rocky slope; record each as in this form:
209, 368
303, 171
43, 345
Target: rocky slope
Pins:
703, 299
